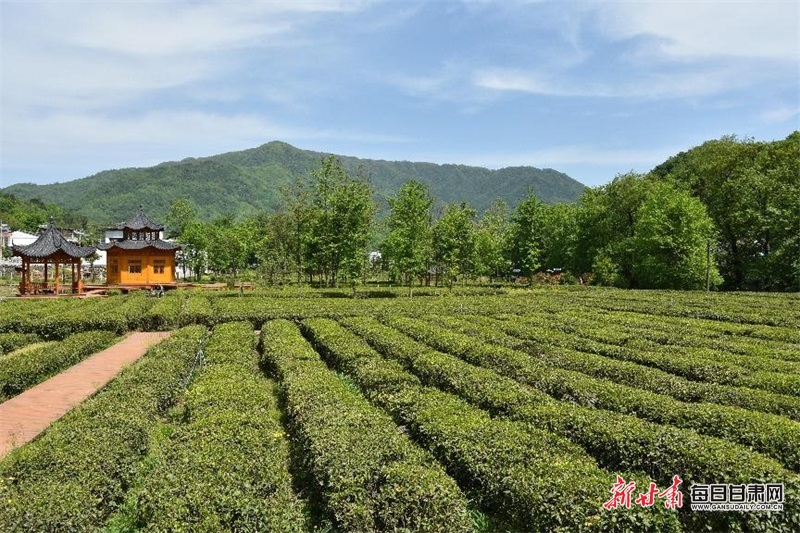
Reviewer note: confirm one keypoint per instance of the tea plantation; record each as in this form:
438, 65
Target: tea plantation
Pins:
553, 409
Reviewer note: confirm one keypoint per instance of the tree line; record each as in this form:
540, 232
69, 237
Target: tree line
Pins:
723, 215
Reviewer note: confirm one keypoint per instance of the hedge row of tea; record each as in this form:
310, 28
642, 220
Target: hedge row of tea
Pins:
440, 413
10, 342
74, 475
709, 375
223, 462
760, 322
24, 368
616, 441
529, 479
773, 435
370, 477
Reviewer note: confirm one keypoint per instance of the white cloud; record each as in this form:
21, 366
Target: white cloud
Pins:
781, 114
104, 54
662, 50
704, 29
646, 85
146, 29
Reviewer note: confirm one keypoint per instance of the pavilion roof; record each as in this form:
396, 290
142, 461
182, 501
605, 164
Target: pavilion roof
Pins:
140, 221
139, 245
50, 243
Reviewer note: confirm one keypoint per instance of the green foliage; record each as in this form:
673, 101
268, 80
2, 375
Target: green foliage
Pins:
750, 191
408, 245
181, 214
73, 476
618, 442
249, 181
492, 235
525, 490
502, 388
454, 243
27, 214
527, 235
226, 466
22, 370
638, 232
341, 222
12, 341
772, 435
671, 234
560, 230
370, 476
619, 364
229, 245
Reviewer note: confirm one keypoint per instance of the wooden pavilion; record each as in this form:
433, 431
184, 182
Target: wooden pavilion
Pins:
51, 248
137, 254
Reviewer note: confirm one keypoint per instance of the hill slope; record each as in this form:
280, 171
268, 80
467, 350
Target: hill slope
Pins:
248, 181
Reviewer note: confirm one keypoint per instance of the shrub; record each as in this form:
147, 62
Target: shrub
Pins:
22, 370
366, 470
76, 473
530, 479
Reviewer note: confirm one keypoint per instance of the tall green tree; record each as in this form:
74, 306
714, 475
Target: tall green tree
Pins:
342, 218
454, 242
194, 253
274, 250
181, 214
672, 241
640, 231
606, 223
298, 211
527, 235
560, 235
229, 245
492, 236
407, 247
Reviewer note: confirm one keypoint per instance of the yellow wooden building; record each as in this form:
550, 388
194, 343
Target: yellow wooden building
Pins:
137, 253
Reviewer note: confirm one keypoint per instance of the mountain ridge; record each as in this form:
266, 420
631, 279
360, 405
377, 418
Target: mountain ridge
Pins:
248, 181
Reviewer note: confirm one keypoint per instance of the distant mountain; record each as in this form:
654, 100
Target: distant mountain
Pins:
249, 181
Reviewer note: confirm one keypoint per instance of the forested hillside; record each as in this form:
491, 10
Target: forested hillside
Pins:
722, 215
28, 215
248, 182
725, 215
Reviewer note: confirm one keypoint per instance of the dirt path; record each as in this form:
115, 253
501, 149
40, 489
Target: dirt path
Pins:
23, 417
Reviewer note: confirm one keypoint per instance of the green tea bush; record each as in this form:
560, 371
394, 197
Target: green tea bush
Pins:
74, 475
226, 467
22, 370
526, 477
370, 476
772, 435
618, 442
13, 341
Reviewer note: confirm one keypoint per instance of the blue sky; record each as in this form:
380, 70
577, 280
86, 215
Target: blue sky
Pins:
592, 89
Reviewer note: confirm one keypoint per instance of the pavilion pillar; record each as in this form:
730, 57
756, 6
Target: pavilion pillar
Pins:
22, 281
57, 278
79, 283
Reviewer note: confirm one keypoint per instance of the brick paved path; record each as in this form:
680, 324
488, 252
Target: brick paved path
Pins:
23, 417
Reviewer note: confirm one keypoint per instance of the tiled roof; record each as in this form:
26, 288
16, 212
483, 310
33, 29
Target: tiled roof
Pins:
140, 221
49, 243
139, 245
